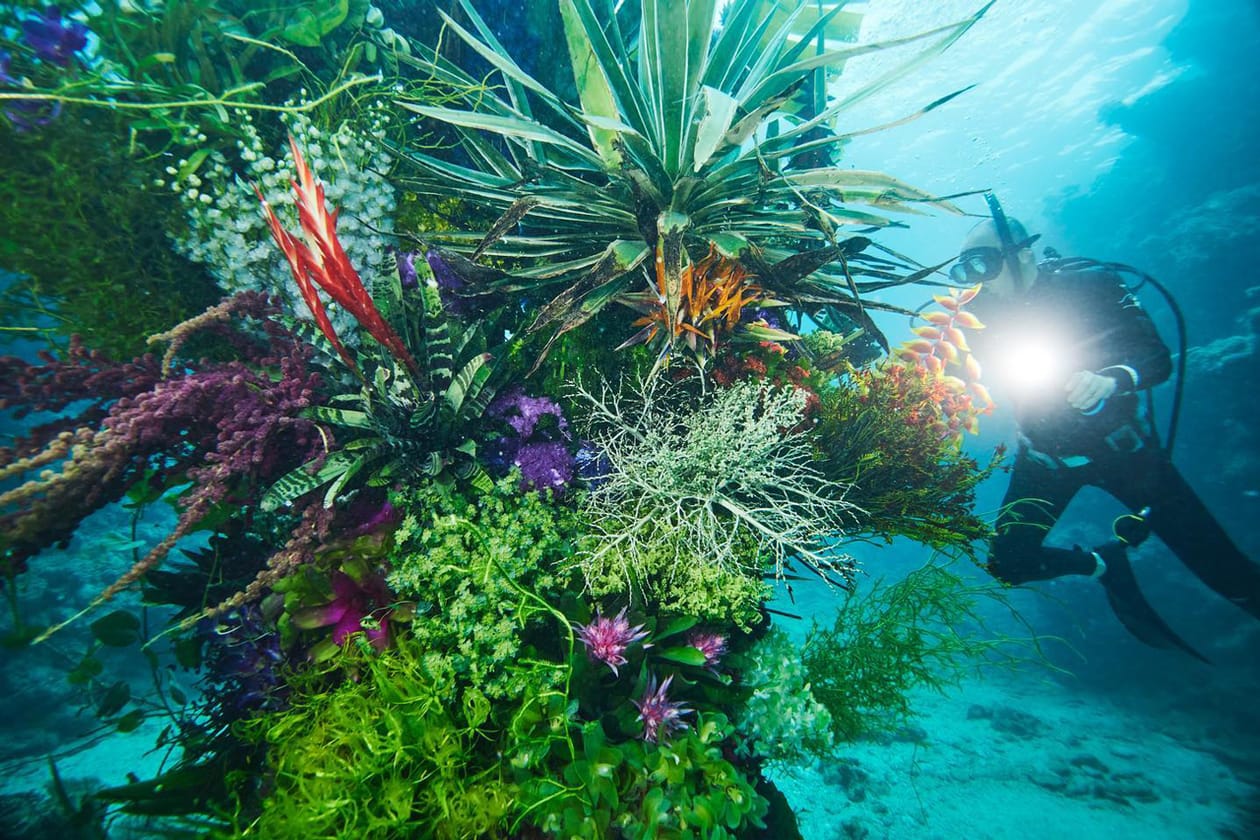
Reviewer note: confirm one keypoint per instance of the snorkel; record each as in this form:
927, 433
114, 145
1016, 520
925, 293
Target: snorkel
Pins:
1010, 250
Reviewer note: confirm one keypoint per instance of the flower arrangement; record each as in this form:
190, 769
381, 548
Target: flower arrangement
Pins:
493, 534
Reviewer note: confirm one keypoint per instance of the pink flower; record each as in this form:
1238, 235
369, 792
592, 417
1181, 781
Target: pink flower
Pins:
712, 645
606, 639
660, 715
352, 602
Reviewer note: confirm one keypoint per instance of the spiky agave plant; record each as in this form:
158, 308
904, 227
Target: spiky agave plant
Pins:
681, 140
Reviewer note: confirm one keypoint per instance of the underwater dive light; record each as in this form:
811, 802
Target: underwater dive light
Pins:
1035, 364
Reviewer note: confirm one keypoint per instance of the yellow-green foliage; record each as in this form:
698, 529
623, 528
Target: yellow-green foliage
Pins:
706, 591
415, 215
398, 752
82, 224
890, 640
465, 561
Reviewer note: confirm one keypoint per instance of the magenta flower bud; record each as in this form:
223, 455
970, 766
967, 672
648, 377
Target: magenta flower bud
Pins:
660, 715
712, 645
607, 639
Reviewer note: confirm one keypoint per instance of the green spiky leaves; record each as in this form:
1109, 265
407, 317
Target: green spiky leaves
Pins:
675, 118
400, 426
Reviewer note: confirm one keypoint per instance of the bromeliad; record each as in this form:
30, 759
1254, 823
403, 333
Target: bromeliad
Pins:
319, 256
712, 296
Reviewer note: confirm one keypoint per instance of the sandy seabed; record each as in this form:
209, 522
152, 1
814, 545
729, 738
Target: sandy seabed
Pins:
1025, 757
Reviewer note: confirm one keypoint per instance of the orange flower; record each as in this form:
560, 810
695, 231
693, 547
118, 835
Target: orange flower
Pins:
713, 295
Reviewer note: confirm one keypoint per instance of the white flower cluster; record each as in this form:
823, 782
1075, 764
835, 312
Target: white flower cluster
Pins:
227, 231
782, 717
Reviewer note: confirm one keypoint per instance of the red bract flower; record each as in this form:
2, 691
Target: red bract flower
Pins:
606, 639
660, 715
321, 258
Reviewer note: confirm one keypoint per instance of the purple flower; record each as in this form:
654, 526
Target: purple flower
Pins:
712, 645
26, 115
243, 663
546, 465
660, 715
545, 462
606, 639
407, 269
51, 39
523, 412
6, 63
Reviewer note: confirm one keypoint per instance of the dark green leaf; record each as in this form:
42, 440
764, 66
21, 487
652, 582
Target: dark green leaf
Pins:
115, 698
118, 629
675, 626
83, 673
21, 637
131, 721
188, 652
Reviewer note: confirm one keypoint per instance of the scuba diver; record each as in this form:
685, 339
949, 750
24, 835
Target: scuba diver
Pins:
1072, 348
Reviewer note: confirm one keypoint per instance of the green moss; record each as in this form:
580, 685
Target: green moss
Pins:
464, 559
85, 228
690, 587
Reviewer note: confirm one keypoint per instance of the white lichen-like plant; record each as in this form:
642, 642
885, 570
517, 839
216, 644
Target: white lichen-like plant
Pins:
227, 231
728, 482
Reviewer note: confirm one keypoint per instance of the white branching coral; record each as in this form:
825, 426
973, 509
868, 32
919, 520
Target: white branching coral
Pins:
227, 231
727, 483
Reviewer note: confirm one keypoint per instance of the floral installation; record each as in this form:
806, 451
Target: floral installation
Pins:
526, 394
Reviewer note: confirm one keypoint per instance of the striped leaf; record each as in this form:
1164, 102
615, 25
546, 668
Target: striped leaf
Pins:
467, 385
301, 481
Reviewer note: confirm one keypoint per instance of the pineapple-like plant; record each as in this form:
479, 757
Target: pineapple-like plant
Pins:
685, 137
399, 425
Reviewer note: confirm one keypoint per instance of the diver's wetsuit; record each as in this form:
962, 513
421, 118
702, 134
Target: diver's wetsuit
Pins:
1096, 324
